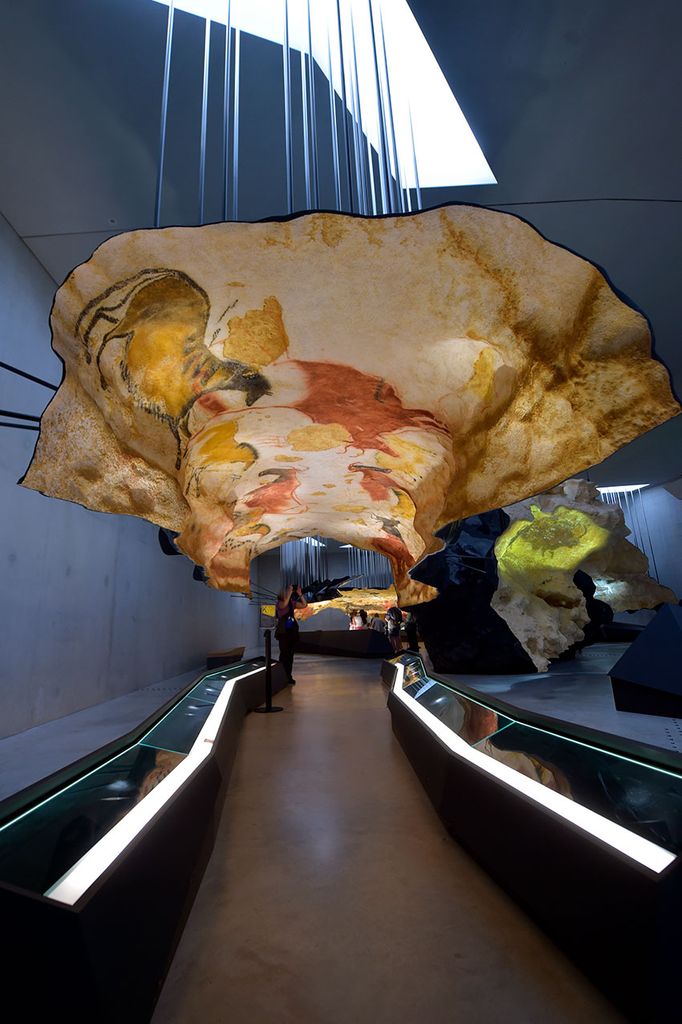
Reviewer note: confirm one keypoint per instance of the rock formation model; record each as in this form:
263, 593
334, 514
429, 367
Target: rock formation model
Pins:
550, 538
364, 379
521, 586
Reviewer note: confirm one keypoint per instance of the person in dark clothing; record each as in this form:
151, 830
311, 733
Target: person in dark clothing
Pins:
394, 620
286, 632
411, 633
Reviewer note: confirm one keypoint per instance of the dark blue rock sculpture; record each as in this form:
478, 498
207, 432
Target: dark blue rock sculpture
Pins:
462, 633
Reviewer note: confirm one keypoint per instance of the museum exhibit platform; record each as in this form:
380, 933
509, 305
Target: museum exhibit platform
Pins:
344, 643
647, 678
100, 862
582, 827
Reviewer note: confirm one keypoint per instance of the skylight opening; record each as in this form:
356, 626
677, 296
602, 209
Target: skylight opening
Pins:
433, 140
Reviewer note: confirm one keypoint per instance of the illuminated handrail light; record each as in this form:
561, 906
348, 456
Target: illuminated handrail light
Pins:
609, 832
444, 151
84, 873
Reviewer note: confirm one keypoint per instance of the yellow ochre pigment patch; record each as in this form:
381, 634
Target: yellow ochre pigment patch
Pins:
258, 337
318, 437
218, 444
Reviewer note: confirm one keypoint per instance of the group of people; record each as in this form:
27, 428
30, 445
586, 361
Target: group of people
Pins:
391, 626
290, 598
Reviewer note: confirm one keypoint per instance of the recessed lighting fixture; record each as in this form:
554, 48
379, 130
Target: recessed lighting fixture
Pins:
622, 488
433, 139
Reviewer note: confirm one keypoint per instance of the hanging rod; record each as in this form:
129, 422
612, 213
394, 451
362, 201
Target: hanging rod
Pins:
20, 415
29, 376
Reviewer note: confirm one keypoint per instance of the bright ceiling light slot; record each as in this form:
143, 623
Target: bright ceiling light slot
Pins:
429, 142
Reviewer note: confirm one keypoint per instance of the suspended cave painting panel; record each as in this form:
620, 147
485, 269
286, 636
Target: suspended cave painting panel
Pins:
374, 601
522, 586
368, 380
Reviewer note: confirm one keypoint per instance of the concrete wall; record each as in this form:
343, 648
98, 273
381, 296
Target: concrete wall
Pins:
664, 520
90, 608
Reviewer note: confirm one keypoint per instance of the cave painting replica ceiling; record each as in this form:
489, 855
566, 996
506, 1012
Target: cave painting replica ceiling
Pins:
357, 378
374, 601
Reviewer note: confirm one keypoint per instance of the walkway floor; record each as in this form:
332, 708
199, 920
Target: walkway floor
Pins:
335, 896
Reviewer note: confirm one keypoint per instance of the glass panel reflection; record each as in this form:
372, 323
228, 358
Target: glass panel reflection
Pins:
181, 726
640, 797
40, 846
645, 800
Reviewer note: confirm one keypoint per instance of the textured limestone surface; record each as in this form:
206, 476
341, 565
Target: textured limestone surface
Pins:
549, 538
363, 379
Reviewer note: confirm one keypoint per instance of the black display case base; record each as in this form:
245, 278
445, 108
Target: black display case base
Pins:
104, 959
344, 643
647, 680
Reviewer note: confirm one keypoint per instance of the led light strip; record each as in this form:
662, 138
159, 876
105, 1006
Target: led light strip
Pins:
636, 847
85, 872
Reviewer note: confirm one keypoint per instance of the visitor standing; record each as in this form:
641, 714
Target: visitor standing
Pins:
412, 633
394, 620
286, 632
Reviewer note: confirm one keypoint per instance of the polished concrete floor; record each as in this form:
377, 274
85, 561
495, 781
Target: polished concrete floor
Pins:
335, 896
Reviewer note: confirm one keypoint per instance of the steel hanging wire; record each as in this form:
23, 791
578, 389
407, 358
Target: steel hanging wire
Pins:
417, 189
164, 112
384, 163
28, 376
303, 561
313, 115
344, 107
226, 110
204, 119
306, 142
369, 569
288, 137
359, 134
235, 126
334, 126
651, 546
391, 122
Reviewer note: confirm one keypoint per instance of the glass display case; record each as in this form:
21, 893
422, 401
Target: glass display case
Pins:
100, 863
41, 844
642, 798
583, 828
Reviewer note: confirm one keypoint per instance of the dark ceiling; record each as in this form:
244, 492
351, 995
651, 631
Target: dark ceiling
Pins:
574, 102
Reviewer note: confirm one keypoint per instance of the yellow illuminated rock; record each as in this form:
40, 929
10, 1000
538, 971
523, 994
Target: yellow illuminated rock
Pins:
367, 380
550, 537
557, 540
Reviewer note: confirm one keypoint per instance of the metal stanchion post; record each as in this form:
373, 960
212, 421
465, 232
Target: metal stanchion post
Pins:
268, 677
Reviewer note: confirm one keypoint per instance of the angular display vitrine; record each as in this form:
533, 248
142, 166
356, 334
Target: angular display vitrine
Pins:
583, 828
99, 865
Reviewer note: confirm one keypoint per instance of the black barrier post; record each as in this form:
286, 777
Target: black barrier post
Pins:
268, 677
